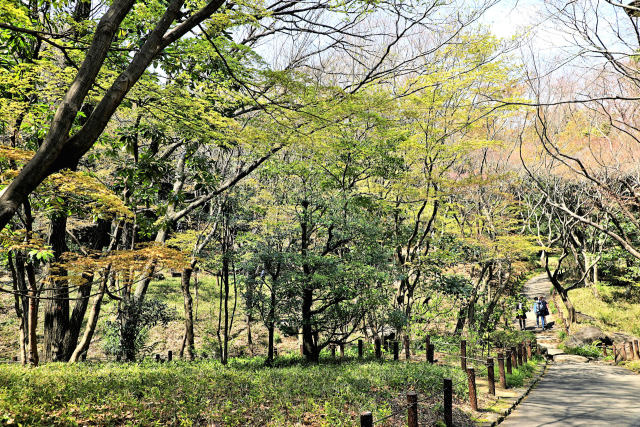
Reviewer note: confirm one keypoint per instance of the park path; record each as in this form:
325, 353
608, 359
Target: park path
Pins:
575, 394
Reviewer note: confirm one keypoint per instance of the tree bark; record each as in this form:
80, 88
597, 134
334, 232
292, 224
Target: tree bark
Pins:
56, 315
77, 316
83, 345
188, 311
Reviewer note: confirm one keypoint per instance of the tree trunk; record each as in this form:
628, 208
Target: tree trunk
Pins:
188, 310
77, 316
56, 315
83, 345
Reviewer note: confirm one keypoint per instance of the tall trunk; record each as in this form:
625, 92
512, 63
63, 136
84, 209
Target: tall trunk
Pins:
271, 323
225, 282
56, 315
309, 348
188, 310
33, 316
77, 316
21, 301
83, 345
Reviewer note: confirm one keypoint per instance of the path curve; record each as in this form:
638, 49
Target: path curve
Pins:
576, 394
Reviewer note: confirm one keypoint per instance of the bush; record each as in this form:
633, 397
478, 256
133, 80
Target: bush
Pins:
591, 351
152, 312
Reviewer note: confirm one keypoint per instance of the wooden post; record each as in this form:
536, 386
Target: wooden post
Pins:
491, 376
341, 350
333, 351
169, 356
636, 346
503, 377
604, 350
427, 343
529, 351
473, 399
463, 354
412, 411
624, 351
360, 350
395, 350
301, 349
447, 388
514, 357
275, 351
407, 349
378, 349
366, 419
430, 352
509, 360
524, 352
631, 352
615, 354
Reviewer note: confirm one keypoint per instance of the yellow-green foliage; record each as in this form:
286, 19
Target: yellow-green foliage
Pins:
207, 393
611, 313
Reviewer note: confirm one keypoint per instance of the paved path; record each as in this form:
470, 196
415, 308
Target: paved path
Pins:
576, 394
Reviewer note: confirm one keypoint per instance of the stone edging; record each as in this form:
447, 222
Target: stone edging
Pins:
503, 415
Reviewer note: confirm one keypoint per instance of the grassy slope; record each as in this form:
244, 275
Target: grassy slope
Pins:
612, 311
243, 393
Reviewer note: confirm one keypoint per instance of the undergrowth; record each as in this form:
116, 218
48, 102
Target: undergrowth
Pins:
205, 392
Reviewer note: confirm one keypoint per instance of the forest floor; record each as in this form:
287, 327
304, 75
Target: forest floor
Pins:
573, 392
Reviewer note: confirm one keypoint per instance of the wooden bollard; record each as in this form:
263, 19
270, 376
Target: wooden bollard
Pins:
333, 351
359, 349
529, 351
395, 350
301, 349
407, 349
366, 419
509, 360
615, 354
447, 389
412, 410
378, 349
519, 353
463, 354
631, 352
491, 376
157, 357
624, 351
503, 377
341, 350
473, 399
604, 350
430, 352
514, 357
524, 353
169, 356
636, 346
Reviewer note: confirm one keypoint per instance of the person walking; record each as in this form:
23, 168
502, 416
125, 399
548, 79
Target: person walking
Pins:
535, 311
521, 315
543, 311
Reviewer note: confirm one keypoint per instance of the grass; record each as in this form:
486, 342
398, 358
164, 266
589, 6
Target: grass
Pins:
205, 392
611, 311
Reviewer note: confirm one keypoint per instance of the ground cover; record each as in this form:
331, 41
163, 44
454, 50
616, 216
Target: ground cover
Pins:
205, 392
